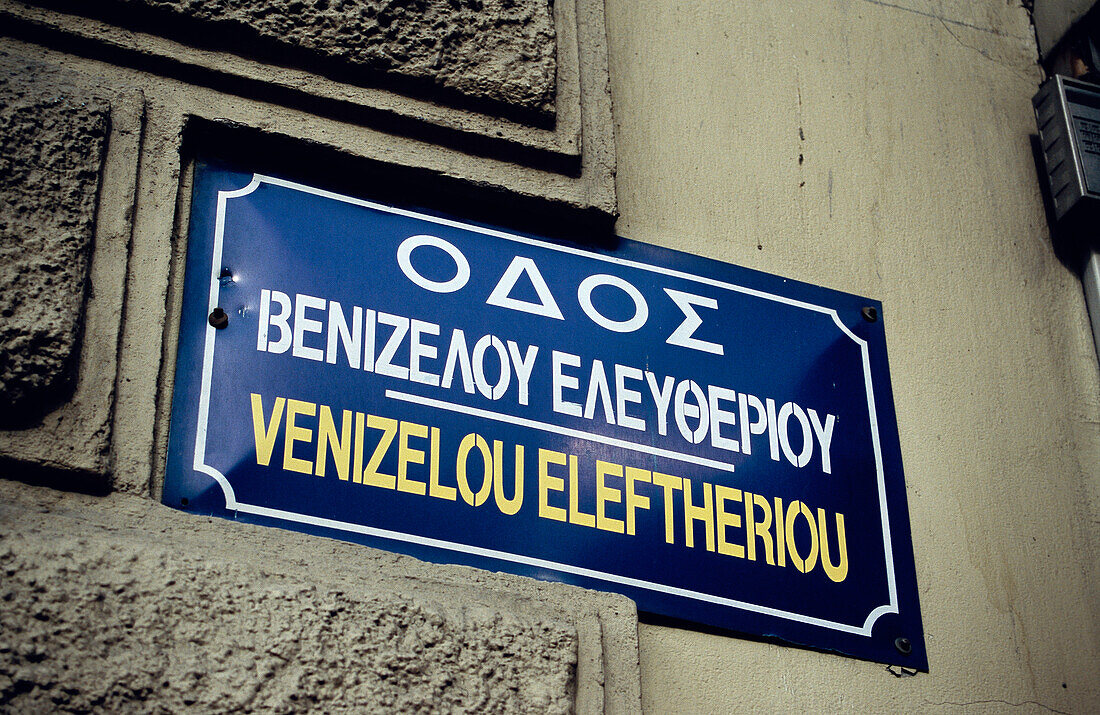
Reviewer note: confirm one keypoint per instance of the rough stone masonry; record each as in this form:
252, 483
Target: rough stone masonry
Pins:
103, 610
502, 51
51, 151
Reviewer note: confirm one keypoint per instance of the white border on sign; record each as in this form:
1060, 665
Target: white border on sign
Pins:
232, 503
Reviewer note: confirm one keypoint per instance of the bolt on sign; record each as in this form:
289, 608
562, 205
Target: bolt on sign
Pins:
716, 443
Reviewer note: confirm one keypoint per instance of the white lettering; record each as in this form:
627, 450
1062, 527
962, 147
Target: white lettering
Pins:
597, 387
757, 426
303, 325
493, 392
418, 350
404, 260
400, 329
500, 296
458, 354
641, 309
682, 336
773, 436
623, 395
279, 320
802, 458
524, 365
662, 396
824, 438
719, 417
370, 330
685, 410
563, 381
350, 338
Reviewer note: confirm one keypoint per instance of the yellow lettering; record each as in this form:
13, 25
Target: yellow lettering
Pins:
507, 507
634, 501
780, 534
436, 489
326, 435
838, 572
265, 436
468, 443
549, 483
727, 519
576, 516
793, 510
703, 513
755, 529
371, 476
605, 494
668, 484
294, 433
357, 461
407, 455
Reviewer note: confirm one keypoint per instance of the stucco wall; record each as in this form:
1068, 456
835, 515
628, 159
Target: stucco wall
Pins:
879, 148
118, 604
114, 602
884, 149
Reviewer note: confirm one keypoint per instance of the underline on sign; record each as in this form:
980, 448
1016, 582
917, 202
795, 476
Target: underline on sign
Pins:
557, 429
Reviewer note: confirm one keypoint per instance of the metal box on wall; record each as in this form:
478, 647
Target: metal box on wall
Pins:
1067, 112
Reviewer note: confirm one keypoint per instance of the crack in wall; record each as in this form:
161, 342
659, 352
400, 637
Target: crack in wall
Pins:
942, 19
995, 701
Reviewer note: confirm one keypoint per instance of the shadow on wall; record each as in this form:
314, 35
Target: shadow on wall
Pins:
306, 162
429, 50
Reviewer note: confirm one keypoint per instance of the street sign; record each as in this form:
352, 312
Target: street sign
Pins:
716, 443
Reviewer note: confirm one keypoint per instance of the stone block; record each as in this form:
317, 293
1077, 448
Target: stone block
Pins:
124, 625
119, 604
67, 172
500, 51
509, 95
51, 155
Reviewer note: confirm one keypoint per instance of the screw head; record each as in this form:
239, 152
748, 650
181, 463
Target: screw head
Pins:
869, 313
904, 646
218, 318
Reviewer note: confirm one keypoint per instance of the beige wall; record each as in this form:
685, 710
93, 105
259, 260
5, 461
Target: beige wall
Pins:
912, 124
113, 602
880, 148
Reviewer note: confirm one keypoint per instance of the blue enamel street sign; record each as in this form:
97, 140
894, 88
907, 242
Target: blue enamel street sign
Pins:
716, 443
